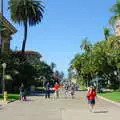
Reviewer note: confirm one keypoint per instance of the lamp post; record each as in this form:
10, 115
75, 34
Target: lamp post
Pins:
3, 80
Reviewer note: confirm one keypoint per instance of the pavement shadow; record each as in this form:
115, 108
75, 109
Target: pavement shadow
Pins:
101, 111
28, 100
37, 94
1, 107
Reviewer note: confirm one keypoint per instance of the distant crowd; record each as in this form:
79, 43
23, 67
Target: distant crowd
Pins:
69, 91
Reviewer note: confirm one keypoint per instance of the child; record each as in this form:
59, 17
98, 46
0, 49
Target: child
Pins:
91, 94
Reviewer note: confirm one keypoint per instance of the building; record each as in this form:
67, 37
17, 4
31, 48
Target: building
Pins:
6, 31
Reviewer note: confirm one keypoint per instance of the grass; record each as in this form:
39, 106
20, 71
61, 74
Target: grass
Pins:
115, 95
11, 97
83, 87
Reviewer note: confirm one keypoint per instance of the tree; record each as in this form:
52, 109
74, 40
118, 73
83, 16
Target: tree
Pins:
106, 33
53, 65
44, 70
26, 12
86, 45
101, 59
20, 72
24, 72
105, 59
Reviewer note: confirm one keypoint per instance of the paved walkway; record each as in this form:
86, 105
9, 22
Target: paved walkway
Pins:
39, 108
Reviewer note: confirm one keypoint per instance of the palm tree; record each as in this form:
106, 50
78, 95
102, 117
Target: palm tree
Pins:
62, 75
106, 33
53, 65
116, 10
86, 45
26, 12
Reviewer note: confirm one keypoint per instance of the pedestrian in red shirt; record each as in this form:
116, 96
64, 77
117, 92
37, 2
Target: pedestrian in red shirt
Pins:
56, 88
91, 94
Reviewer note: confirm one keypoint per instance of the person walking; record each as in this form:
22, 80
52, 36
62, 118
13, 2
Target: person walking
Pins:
67, 87
91, 94
25, 94
22, 92
47, 89
56, 88
72, 90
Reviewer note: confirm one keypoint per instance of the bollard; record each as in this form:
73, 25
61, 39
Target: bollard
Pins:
5, 97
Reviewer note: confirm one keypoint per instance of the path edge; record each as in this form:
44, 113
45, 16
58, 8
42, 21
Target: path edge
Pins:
110, 101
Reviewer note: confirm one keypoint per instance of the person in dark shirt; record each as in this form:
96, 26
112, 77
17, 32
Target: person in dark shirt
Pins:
22, 92
47, 89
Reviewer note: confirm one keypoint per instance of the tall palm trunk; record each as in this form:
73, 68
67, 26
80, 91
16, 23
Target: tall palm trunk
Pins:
25, 36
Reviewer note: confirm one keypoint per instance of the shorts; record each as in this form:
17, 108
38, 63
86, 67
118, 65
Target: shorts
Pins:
91, 101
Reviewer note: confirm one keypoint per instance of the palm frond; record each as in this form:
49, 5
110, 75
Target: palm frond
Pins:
106, 32
116, 13
26, 10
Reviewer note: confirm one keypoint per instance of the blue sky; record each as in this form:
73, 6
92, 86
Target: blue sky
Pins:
65, 24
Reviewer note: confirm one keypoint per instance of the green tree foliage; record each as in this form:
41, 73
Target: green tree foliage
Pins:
20, 72
86, 45
43, 71
116, 11
106, 33
102, 60
26, 12
23, 72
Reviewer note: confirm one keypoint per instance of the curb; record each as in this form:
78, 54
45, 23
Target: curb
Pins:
110, 101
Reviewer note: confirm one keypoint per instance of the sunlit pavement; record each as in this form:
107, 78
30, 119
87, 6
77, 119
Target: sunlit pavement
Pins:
39, 108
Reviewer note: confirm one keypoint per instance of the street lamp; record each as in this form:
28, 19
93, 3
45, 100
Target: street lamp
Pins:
3, 80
